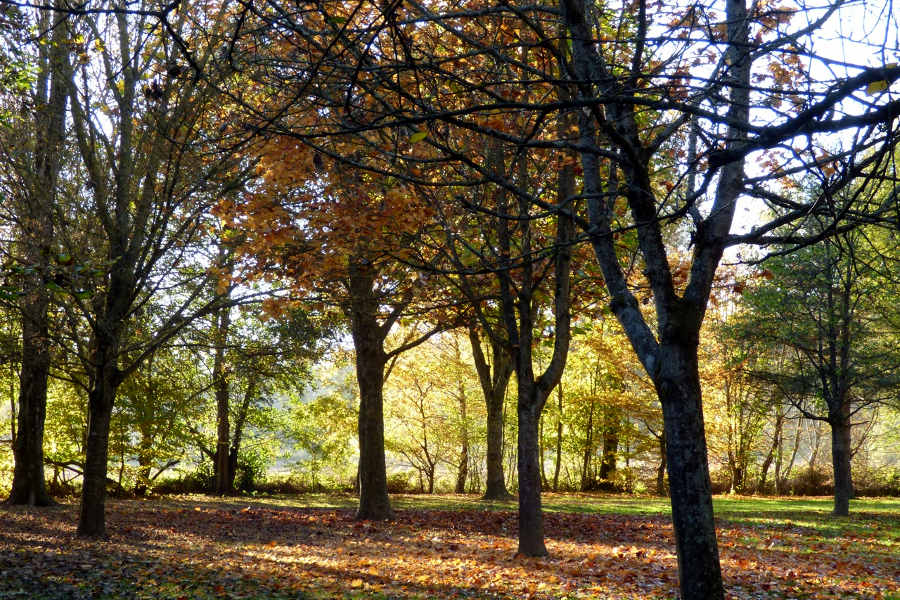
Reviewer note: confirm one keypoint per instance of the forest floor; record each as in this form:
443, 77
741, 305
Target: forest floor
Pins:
310, 547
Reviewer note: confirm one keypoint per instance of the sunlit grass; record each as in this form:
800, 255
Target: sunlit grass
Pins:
813, 513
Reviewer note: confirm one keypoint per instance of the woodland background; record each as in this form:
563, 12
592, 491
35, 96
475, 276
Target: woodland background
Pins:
638, 248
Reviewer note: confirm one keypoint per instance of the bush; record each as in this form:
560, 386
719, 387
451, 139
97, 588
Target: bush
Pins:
883, 481
59, 488
250, 471
811, 482
195, 482
399, 483
720, 479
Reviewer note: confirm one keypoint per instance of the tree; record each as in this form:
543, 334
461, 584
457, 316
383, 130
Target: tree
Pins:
826, 308
323, 424
252, 361
738, 403
614, 411
149, 174
35, 168
335, 237
429, 417
493, 375
156, 407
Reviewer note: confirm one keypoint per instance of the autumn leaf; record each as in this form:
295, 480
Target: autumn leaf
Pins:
879, 85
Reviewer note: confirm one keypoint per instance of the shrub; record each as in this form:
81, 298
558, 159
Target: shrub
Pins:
883, 481
194, 482
811, 482
399, 483
60, 488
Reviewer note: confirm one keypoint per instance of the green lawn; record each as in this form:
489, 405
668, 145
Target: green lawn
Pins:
810, 516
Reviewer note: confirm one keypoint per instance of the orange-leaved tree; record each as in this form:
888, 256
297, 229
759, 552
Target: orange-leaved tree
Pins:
337, 238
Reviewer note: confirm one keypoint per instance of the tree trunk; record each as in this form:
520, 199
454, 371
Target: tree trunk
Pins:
493, 386
559, 429
373, 495
29, 486
786, 473
773, 449
495, 482
840, 461
145, 464
588, 450
678, 386
368, 340
235, 449
737, 478
610, 452
12, 407
531, 519
661, 469
541, 452
462, 471
221, 469
92, 519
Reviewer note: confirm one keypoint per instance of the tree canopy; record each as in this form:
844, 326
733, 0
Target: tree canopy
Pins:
559, 183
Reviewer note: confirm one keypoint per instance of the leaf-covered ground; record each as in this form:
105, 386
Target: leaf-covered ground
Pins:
443, 547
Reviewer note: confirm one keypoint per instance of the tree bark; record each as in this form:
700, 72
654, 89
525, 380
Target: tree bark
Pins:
531, 518
373, 496
559, 429
840, 461
235, 449
223, 474
493, 386
92, 519
462, 471
29, 486
678, 386
145, 464
773, 449
368, 340
586, 482
661, 469
495, 483
610, 452
541, 461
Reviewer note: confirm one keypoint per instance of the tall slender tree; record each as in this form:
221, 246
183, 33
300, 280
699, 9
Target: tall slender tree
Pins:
149, 173
34, 164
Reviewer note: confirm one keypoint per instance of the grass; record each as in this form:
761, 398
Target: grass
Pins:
309, 547
806, 511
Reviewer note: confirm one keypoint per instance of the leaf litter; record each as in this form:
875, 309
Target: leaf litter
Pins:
199, 548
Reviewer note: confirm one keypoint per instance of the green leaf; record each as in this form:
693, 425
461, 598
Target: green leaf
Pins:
418, 137
876, 86
880, 85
